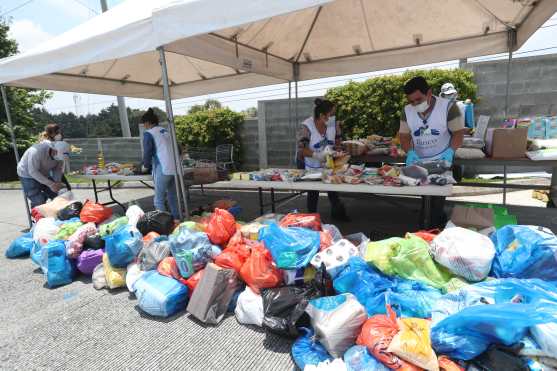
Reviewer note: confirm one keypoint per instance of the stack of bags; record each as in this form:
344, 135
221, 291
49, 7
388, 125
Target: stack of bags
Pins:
472, 148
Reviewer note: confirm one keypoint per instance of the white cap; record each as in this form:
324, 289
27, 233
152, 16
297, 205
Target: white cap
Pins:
448, 89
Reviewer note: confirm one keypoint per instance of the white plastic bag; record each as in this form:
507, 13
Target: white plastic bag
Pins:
99, 278
546, 337
469, 153
249, 308
45, 230
336, 364
133, 213
335, 257
466, 253
133, 273
337, 321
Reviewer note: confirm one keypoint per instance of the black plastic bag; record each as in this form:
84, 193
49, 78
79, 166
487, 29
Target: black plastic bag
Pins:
94, 242
501, 358
284, 309
71, 211
156, 221
323, 282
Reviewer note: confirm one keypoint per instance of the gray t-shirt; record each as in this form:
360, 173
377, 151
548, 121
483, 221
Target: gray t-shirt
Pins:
37, 163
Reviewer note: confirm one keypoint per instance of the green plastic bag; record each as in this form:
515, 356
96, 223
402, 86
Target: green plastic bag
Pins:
192, 226
109, 228
455, 284
379, 253
66, 230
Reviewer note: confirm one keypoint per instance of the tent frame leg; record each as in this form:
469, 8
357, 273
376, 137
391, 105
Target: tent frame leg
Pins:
14, 146
179, 176
511, 44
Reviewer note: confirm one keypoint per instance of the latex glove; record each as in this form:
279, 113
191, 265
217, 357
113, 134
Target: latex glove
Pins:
411, 157
447, 155
56, 187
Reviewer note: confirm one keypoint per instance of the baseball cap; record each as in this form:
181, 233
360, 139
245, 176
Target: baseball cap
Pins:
448, 88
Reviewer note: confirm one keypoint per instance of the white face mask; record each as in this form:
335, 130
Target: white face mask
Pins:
449, 96
422, 107
58, 137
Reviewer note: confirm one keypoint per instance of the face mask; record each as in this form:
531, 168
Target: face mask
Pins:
450, 96
58, 137
61, 148
422, 107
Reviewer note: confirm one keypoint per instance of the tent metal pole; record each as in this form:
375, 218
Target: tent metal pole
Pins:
290, 124
511, 44
14, 145
296, 76
179, 176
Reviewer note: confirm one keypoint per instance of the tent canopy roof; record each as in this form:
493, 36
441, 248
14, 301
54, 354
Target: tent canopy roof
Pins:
213, 47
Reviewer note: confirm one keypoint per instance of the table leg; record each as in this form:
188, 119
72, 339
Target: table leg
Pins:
504, 185
95, 191
553, 188
272, 200
260, 191
112, 196
426, 212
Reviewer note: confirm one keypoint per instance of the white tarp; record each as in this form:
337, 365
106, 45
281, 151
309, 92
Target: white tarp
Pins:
221, 45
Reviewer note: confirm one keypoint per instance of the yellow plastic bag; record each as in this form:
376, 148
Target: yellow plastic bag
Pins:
380, 253
115, 277
413, 344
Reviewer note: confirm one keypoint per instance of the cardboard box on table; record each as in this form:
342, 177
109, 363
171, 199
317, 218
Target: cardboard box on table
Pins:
507, 143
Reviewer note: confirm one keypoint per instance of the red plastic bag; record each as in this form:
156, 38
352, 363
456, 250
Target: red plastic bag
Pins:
168, 267
193, 281
150, 237
446, 364
36, 214
310, 221
427, 235
377, 333
326, 240
236, 253
259, 271
96, 213
221, 227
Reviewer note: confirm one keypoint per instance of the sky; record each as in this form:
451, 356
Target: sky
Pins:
35, 21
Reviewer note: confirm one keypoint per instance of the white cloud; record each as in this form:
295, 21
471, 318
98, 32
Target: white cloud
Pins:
28, 34
73, 9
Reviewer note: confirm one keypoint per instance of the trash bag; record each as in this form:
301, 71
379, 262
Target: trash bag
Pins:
45, 230
325, 240
57, 268
115, 277
337, 321
36, 253
133, 274
168, 267
123, 246
306, 351
236, 253
159, 295
428, 235
412, 343
446, 364
498, 357
209, 302
323, 281
88, 260
259, 271
192, 251
500, 311
21, 246
284, 309
292, 247
134, 213
464, 252
234, 301
336, 364
150, 237
309, 221
411, 299
335, 257
193, 281
192, 226
299, 277
377, 333
66, 230
249, 308
545, 336
98, 277
358, 358
110, 227
94, 213
221, 227
71, 211
359, 240
525, 252
156, 221
51, 208
455, 284
93, 242
153, 252
77, 240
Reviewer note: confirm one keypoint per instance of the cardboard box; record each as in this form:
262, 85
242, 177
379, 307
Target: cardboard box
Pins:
507, 143
472, 217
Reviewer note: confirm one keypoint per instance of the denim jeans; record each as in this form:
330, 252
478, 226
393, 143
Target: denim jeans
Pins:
165, 190
36, 192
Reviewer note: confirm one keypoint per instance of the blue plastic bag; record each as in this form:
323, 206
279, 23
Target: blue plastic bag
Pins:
36, 253
160, 295
411, 299
192, 251
291, 248
307, 351
465, 323
21, 246
525, 252
357, 358
58, 269
123, 246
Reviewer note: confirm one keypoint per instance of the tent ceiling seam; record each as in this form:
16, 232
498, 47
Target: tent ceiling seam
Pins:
202, 76
309, 33
489, 12
259, 31
103, 79
364, 15
248, 46
110, 68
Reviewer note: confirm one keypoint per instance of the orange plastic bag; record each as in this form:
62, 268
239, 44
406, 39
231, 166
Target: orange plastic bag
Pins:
236, 253
446, 364
193, 281
221, 227
259, 271
310, 221
326, 240
377, 333
150, 237
95, 213
427, 235
168, 267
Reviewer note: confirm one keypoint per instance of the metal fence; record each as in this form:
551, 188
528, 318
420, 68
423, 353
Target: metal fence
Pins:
122, 150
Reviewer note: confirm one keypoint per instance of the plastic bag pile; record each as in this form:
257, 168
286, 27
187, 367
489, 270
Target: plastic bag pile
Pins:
432, 300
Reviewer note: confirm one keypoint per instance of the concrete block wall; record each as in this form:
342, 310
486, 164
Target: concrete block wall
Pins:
250, 144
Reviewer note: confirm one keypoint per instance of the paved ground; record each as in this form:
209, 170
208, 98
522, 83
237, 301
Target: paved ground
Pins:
77, 327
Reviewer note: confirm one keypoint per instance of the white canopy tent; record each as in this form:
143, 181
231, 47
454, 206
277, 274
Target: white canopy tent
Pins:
210, 46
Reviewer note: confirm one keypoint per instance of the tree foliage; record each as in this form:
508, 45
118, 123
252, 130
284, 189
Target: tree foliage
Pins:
374, 106
210, 104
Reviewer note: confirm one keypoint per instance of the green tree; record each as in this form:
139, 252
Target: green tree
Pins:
210, 104
250, 112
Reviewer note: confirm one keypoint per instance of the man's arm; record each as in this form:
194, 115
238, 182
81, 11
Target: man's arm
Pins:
455, 123
148, 150
457, 139
338, 135
303, 142
405, 136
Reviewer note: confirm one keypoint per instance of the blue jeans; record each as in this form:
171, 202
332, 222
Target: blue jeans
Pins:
165, 190
36, 192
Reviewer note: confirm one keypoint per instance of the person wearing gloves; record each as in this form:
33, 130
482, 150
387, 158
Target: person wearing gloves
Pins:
158, 159
316, 139
53, 133
40, 170
466, 108
431, 128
